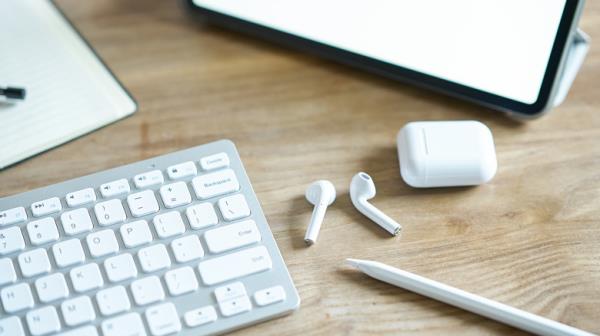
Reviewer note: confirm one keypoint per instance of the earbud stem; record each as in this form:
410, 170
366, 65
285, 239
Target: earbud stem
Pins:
315, 223
379, 217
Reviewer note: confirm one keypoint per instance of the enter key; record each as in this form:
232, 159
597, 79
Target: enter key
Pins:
232, 236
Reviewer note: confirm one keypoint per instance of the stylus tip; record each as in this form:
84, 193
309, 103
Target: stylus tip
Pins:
353, 262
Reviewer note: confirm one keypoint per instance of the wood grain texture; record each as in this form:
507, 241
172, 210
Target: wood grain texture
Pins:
530, 238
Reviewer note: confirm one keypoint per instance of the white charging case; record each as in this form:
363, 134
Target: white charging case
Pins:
446, 153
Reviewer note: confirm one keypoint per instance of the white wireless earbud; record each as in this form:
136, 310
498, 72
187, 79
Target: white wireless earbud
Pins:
362, 189
321, 194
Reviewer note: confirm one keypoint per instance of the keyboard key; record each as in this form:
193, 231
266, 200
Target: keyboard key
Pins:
135, 233
120, 267
8, 274
114, 188
101, 243
180, 281
175, 194
148, 179
16, 297
235, 306
51, 287
11, 326
230, 291
249, 261
269, 296
201, 215
232, 236
200, 316
42, 231
45, 207
187, 248
163, 319
215, 161
234, 207
214, 184
68, 253
168, 224
43, 321
11, 240
113, 300
110, 212
83, 331
86, 277
12, 216
147, 290
182, 170
124, 325
142, 203
154, 258
77, 311
34, 262
76, 221
80, 197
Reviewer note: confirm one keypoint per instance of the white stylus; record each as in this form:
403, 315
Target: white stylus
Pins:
467, 301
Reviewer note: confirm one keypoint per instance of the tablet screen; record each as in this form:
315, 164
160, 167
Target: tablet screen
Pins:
497, 46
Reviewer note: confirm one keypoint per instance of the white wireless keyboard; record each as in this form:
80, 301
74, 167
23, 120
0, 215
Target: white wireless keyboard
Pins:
177, 244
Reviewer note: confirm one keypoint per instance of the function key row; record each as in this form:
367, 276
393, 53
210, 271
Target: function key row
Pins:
11, 216
80, 197
148, 179
118, 187
182, 170
45, 207
114, 188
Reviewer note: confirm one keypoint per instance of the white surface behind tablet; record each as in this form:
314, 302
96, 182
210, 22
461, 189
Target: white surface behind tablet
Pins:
497, 46
69, 91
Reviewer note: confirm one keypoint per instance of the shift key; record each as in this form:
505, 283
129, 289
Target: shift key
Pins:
217, 183
235, 265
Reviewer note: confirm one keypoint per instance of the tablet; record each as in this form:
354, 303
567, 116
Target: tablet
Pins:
505, 54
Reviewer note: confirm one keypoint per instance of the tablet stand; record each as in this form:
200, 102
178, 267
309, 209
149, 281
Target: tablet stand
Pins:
574, 58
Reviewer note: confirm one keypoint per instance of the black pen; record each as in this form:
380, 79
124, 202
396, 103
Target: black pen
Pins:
12, 92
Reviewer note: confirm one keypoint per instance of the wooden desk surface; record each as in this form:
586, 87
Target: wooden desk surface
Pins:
530, 238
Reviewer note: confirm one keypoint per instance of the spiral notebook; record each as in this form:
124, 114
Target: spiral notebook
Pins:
70, 92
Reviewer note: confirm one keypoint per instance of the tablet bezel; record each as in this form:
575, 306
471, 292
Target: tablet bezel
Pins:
396, 72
